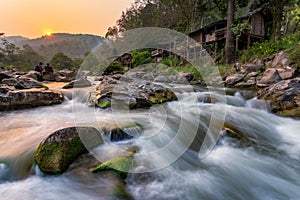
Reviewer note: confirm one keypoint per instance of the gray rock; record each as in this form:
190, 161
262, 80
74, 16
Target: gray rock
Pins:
162, 79
23, 83
48, 76
33, 75
19, 99
132, 94
271, 76
187, 76
280, 60
4, 76
282, 96
234, 79
80, 83
65, 76
253, 68
287, 73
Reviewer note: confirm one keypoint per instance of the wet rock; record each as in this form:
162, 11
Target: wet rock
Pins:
23, 83
48, 76
80, 83
125, 133
234, 79
120, 165
61, 148
65, 76
4, 76
270, 76
20, 99
132, 94
282, 96
5, 88
33, 75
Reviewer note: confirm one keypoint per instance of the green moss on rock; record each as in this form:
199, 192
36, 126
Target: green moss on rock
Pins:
60, 149
104, 104
121, 166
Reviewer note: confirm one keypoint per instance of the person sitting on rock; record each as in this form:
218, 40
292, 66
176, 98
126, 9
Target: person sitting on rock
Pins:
48, 68
39, 67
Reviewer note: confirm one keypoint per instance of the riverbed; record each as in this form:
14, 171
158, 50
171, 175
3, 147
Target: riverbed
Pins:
261, 164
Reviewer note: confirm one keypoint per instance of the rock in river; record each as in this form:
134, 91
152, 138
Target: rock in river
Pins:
19, 99
61, 148
284, 97
133, 94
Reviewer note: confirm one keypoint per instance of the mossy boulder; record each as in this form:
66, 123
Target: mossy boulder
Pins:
120, 165
61, 148
129, 93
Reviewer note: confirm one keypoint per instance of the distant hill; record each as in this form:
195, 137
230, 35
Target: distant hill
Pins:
73, 45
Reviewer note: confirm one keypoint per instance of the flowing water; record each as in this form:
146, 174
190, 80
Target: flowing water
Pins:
264, 164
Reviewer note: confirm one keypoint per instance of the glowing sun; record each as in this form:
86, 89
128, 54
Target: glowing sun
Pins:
48, 34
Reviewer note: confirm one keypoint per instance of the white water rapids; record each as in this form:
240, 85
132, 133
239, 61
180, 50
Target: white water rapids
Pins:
264, 166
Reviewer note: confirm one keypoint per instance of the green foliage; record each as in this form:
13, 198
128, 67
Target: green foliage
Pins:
171, 61
141, 57
114, 67
239, 28
60, 61
295, 56
270, 47
24, 59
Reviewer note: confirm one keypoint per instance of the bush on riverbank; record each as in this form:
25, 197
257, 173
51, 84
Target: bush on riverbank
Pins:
289, 44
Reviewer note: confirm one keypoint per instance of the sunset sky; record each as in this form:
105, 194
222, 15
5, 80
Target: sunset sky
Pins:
33, 18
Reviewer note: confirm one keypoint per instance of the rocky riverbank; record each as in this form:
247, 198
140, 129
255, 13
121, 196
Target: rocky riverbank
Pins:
275, 78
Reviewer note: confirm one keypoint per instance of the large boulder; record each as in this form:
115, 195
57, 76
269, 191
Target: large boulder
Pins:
280, 60
282, 96
19, 99
270, 76
287, 73
23, 83
133, 94
65, 76
234, 79
61, 148
34, 75
80, 83
48, 76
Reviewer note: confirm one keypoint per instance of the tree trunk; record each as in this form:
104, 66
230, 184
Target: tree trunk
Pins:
229, 47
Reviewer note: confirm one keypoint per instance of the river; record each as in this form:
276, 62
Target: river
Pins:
264, 164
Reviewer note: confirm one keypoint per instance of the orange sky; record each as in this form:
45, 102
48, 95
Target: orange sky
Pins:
33, 18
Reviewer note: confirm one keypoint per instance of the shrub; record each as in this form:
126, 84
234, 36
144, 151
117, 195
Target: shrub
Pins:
141, 58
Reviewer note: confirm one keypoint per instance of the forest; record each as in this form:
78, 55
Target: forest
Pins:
189, 15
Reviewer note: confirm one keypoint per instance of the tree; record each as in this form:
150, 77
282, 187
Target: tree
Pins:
229, 46
61, 61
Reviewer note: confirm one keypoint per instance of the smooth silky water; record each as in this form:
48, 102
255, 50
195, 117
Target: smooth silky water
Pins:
264, 166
